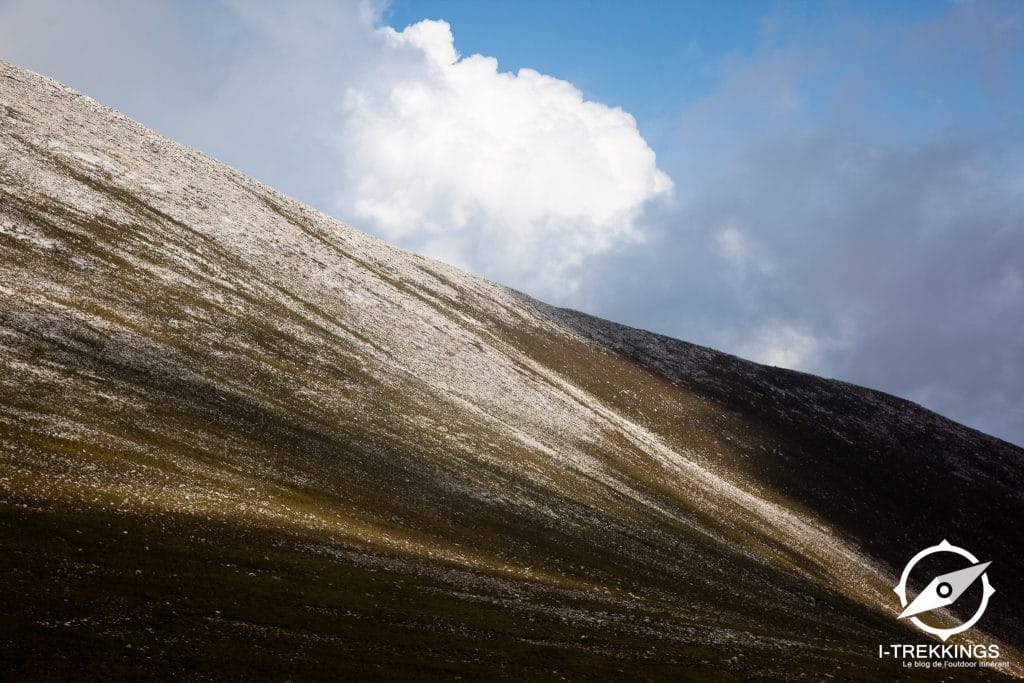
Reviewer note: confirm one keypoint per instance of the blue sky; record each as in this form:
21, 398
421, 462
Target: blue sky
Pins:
652, 60
601, 47
836, 187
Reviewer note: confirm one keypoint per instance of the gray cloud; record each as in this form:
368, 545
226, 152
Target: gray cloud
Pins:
881, 246
247, 82
902, 270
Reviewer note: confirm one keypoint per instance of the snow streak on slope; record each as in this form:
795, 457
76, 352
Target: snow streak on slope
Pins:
395, 445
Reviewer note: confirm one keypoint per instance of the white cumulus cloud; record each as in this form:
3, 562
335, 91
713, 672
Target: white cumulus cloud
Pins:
516, 176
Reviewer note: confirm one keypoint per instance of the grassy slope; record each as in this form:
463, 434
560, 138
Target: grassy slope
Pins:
237, 438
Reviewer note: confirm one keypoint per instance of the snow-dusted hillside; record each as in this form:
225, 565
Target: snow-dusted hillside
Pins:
239, 438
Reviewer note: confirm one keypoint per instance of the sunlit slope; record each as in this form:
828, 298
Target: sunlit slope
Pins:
240, 438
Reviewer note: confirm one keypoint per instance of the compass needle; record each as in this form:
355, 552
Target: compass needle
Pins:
944, 590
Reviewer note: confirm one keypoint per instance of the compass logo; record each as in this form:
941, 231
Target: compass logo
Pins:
944, 590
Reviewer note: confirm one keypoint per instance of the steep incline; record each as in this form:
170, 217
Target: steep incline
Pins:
240, 438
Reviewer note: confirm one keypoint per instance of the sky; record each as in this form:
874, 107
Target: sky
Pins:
831, 187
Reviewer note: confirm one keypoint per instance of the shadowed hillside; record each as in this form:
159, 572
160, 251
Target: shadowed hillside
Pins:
241, 439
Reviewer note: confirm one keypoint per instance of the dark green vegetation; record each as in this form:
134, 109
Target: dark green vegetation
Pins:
241, 440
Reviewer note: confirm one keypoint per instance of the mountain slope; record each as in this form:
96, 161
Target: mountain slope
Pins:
238, 438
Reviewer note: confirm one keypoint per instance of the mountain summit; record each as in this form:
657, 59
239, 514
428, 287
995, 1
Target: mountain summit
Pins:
240, 439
